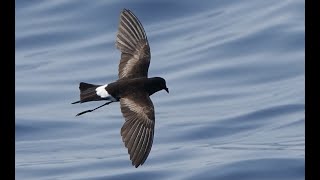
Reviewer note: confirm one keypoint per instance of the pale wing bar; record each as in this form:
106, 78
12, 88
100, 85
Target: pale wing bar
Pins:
132, 42
138, 130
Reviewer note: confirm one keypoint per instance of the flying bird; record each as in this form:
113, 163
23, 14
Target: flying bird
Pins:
132, 89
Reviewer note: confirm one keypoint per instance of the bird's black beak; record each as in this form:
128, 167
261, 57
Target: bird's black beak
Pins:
167, 90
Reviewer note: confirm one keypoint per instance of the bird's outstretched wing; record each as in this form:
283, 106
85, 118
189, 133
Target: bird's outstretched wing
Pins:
133, 43
138, 130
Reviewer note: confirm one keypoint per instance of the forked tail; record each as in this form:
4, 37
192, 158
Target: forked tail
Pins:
88, 93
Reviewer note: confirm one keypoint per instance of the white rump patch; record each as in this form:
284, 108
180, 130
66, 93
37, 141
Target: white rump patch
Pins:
103, 93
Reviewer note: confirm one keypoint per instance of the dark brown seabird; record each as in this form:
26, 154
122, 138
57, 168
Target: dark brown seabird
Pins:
132, 89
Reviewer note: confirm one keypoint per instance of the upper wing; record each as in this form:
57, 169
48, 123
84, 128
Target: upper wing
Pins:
133, 43
138, 129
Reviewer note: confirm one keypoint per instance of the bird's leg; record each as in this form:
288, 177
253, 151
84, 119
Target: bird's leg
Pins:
76, 102
94, 108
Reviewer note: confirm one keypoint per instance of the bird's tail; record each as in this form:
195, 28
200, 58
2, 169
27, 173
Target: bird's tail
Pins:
88, 93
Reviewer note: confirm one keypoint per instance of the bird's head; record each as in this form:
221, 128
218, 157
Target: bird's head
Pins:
157, 84
163, 84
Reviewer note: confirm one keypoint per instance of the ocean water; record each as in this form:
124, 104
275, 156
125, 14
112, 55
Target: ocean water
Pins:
235, 70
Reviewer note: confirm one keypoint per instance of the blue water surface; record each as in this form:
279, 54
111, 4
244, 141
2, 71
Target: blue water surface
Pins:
235, 70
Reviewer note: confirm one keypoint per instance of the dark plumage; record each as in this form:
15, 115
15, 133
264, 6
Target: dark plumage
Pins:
132, 89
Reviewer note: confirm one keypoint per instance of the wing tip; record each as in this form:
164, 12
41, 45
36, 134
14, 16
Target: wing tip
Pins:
137, 164
125, 10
